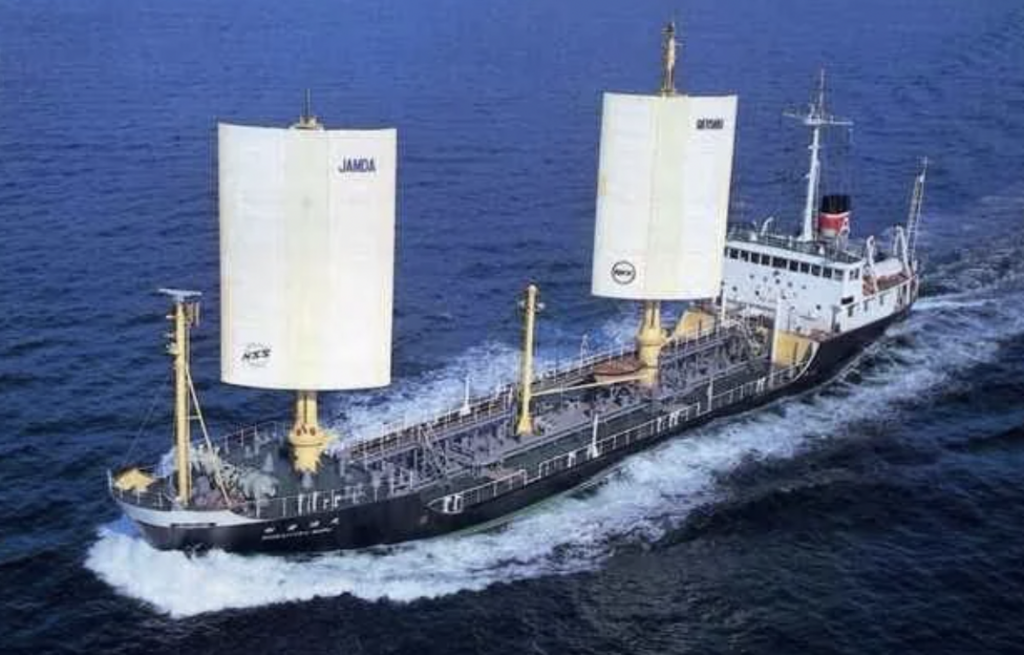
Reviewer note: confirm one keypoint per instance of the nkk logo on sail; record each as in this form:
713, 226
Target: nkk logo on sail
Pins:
358, 165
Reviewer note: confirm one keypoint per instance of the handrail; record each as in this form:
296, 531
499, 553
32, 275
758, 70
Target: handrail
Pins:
302, 504
664, 423
483, 407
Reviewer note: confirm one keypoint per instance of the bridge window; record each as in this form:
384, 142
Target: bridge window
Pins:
794, 266
755, 258
778, 262
744, 255
804, 267
815, 270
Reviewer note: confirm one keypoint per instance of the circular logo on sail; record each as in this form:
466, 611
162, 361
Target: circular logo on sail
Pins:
256, 355
623, 272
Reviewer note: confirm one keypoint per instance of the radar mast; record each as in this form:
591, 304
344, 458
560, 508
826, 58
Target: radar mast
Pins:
815, 118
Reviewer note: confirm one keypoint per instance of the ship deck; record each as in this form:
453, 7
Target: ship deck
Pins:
472, 451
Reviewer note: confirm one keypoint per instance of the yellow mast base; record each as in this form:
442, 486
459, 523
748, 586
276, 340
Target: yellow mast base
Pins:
649, 340
306, 438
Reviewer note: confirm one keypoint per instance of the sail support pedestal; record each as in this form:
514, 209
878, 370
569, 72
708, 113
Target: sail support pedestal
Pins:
649, 340
306, 438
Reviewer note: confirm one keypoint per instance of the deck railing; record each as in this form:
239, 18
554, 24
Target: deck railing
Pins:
252, 437
503, 398
150, 498
319, 501
457, 502
500, 402
315, 502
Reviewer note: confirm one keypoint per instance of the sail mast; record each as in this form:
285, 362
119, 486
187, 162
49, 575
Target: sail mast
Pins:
668, 59
662, 200
650, 337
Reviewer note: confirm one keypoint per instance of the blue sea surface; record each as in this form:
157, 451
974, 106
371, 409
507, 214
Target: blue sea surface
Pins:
883, 513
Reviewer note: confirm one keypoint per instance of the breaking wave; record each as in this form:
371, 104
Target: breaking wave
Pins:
647, 495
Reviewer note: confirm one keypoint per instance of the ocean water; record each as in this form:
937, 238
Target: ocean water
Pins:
882, 513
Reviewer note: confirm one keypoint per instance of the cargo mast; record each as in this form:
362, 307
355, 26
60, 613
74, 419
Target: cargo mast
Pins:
185, 314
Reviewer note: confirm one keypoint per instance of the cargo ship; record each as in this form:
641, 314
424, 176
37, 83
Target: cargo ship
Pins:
307, 241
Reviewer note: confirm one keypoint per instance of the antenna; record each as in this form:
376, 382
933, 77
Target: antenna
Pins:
914, 217
815, 118
179, 295
307, 121
668, 59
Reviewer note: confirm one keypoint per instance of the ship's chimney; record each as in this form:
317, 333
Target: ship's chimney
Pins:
834, 216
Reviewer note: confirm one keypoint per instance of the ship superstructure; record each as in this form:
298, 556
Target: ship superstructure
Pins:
764, 315
821, 283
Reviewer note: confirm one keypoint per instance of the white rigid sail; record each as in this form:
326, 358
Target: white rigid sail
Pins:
663, 196
307, 220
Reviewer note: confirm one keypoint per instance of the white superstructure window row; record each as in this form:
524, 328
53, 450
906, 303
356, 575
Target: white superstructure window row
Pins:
793, 265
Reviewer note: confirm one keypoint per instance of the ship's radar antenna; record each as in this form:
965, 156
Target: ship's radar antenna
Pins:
668, 59
815, 118
307, 121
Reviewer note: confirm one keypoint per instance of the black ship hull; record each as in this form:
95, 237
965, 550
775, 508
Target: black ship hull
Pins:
411, 517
